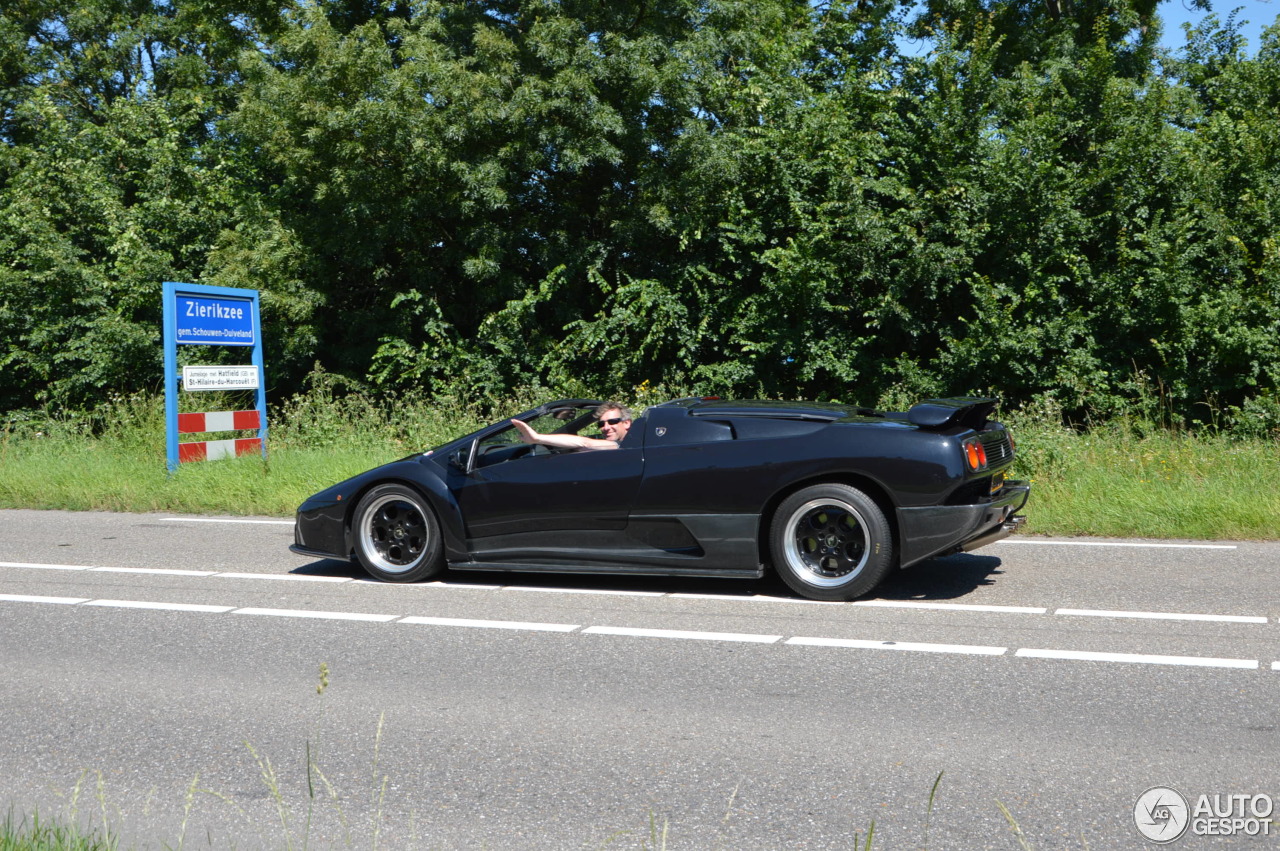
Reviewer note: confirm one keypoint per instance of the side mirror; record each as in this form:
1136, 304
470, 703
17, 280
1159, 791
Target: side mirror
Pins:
459, 459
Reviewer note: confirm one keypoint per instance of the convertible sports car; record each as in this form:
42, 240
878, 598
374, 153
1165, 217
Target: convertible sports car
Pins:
832, 496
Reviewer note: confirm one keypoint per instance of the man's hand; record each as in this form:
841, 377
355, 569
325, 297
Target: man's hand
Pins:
527, 434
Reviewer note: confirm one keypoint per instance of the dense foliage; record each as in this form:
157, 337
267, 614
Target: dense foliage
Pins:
853, 199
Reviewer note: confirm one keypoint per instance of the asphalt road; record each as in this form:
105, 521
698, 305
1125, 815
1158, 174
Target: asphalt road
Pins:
160, 674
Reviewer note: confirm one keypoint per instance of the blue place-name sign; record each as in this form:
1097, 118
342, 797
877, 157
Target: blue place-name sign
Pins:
214, 321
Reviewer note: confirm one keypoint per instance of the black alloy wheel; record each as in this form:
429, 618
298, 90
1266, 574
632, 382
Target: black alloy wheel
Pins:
397, 537
831, 542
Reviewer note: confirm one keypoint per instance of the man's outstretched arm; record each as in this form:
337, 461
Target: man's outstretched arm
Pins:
564, 441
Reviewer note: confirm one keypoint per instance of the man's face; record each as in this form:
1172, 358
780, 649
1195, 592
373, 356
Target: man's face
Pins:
613, 426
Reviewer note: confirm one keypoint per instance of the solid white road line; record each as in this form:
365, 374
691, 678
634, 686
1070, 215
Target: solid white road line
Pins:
287, 577
1117, 544
31, 598
35, 566
439, 584
748, 598
680, 633
600, 591
483, 624
1027, 541
368, 580
957, 607
227, 520
689, 595
1168, 616
156, 570
1137, 658
894, 604
308, 613
765, 598
168, 607
861, 644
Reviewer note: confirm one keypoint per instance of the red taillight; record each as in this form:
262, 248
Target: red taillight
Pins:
975, 455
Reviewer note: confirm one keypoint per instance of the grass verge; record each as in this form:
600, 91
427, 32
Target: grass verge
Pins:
1121, 479
1128, 480
95, 475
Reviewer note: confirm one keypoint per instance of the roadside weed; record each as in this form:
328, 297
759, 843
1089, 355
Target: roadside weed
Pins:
33, 833
1014, 826
928, 813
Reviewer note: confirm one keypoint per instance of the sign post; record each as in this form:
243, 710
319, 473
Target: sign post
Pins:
198, 315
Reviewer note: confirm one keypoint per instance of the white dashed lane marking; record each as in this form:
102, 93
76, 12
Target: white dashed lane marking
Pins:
640, 632
485, 624
1168, 616
1139, 658
168, 607
860, 644
311, 613
688, 635
952, 607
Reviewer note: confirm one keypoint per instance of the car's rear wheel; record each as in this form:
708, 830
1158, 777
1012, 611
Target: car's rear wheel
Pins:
830, 542
397, 536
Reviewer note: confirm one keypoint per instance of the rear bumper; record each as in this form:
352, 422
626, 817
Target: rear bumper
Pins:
938, 530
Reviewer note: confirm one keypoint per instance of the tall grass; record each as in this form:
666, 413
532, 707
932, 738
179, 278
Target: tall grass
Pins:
1135, 478
33, 833
113, 458
1139, 476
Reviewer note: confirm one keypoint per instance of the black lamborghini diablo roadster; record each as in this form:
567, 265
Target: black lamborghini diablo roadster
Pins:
830, 496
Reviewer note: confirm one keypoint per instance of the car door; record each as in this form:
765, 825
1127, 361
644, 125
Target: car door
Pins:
531, 492
694, 465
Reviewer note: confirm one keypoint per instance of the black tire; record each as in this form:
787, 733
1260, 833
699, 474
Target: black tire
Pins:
396, 535
830, 542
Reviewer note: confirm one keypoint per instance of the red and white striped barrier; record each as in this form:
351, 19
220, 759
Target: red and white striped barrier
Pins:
213, 450
218, 421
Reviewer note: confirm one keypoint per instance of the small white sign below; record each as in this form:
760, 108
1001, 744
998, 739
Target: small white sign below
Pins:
219, 378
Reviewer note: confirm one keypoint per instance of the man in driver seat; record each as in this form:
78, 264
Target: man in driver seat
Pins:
613, 419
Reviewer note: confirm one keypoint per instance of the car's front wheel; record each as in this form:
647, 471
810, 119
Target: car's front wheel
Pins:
397, 536
830, 542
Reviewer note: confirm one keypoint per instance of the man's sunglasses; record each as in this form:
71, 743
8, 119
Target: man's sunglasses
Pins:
610, 421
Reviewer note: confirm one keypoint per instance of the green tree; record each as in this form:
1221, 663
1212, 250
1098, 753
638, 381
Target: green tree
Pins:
112, 180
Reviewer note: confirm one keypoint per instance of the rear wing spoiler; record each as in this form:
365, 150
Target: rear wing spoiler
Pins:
968, 411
